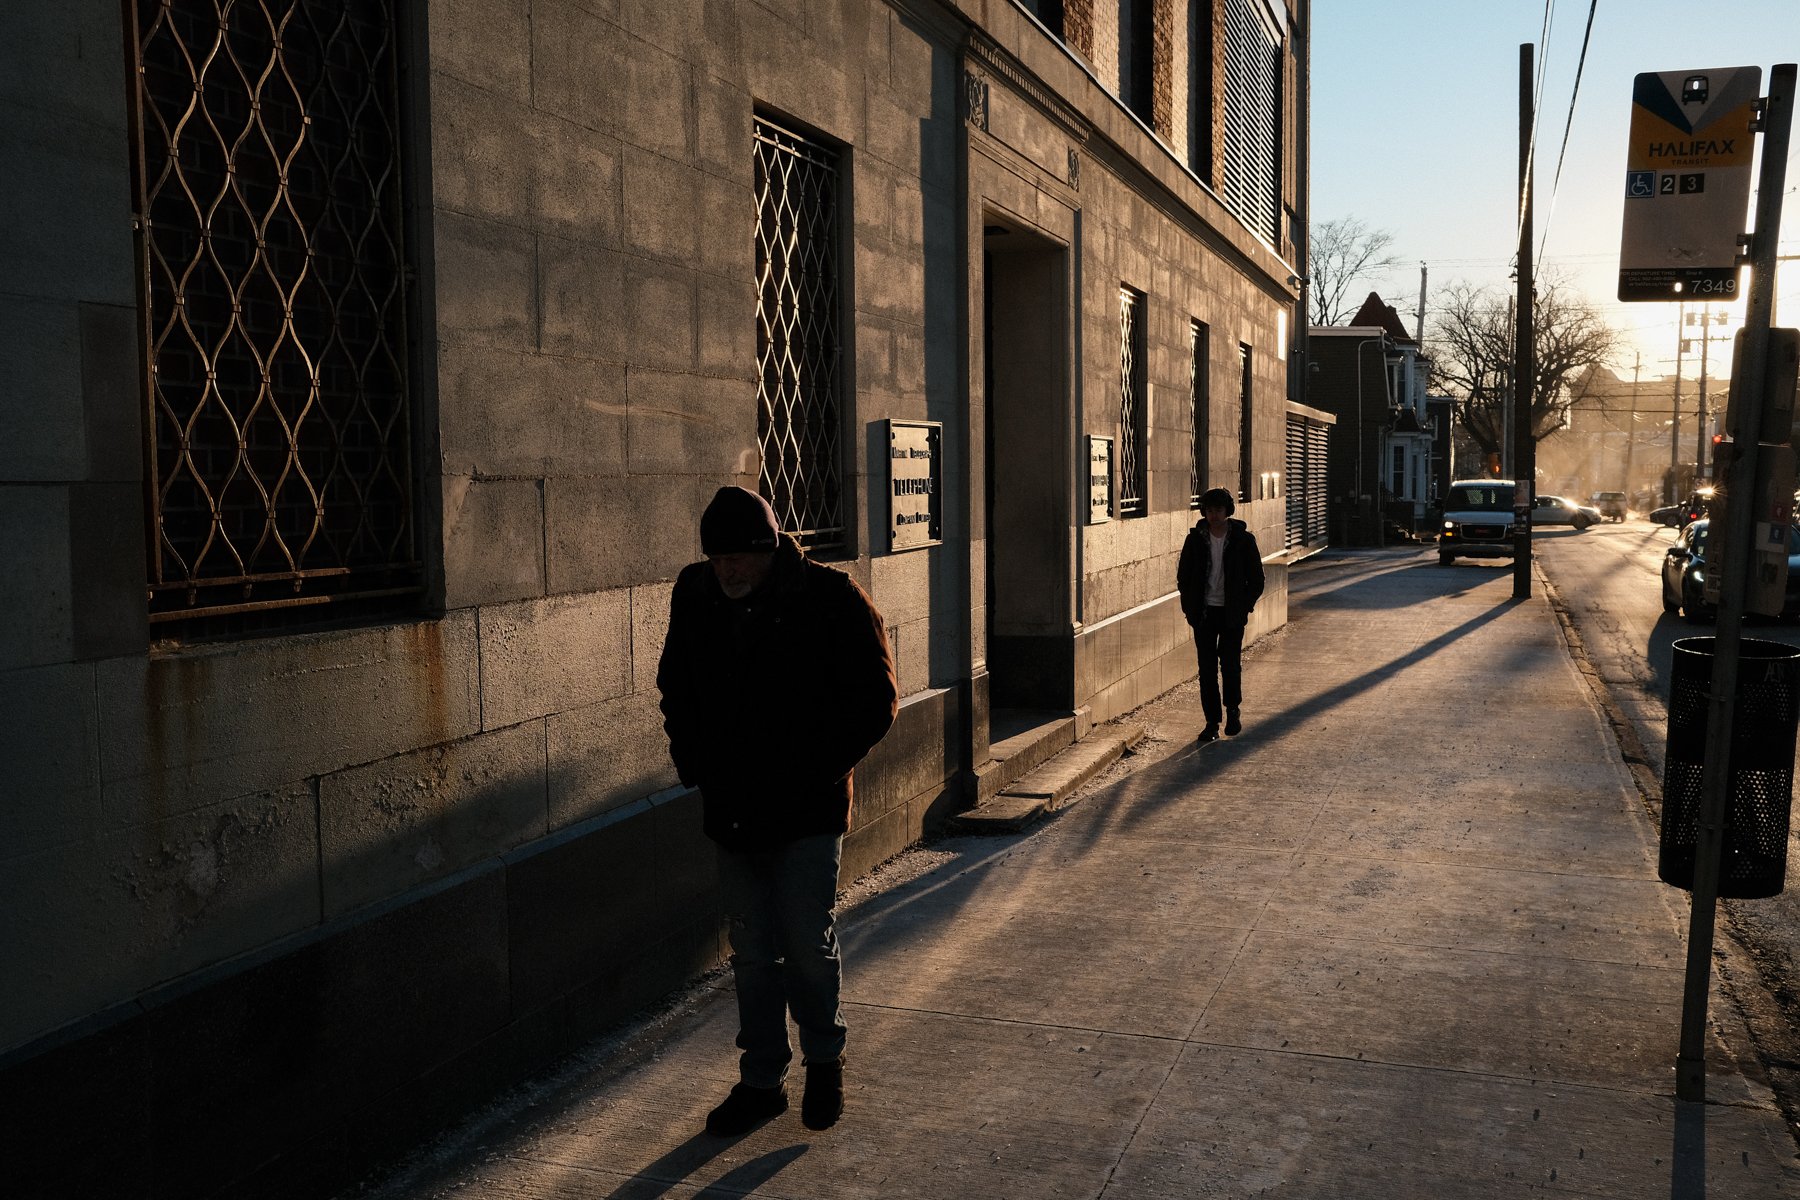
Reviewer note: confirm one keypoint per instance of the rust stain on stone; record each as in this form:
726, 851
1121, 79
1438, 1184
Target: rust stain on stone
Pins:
424, 641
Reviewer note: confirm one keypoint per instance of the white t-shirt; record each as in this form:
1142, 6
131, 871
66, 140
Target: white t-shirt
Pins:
1215, 581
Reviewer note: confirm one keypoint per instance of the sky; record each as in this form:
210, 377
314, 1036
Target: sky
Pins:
1415, 131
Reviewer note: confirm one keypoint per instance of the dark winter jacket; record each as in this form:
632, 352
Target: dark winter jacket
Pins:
1243, 571
770, 701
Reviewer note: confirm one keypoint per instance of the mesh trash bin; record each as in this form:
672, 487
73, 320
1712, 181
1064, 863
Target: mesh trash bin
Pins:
1753, 860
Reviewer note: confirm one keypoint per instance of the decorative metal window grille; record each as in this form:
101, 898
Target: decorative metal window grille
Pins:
1246, 475
1251, 179
273, 263
1199, 393
798, 348
1133, 423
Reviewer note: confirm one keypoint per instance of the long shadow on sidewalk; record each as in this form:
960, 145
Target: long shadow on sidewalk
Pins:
1148, 791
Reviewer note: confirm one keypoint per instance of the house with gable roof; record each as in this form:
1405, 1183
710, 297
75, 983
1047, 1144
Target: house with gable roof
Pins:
1385, 452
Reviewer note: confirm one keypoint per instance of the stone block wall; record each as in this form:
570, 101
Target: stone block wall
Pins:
385, 868
588, 378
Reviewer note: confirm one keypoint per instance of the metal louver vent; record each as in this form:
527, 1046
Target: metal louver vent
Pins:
1306, 492
1251, 175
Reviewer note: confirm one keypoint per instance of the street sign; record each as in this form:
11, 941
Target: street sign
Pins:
1687, 183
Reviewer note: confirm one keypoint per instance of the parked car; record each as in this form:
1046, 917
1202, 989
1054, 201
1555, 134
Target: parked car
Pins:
1477, 521
1684, 574
1554, 510
1697, 505
1612, 505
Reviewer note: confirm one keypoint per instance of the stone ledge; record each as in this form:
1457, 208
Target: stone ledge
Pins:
1049, 787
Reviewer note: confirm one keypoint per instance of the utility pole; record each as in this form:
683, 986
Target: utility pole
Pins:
1419, 325
1637, 361
1708, 318
1674, 488
1524, 349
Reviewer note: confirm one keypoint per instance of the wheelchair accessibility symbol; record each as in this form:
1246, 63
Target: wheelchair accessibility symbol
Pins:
1640, 185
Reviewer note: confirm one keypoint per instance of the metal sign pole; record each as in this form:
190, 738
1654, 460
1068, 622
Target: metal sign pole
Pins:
1739, 557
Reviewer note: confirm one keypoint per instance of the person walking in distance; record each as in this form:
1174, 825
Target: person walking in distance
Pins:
776, 680
1220, 577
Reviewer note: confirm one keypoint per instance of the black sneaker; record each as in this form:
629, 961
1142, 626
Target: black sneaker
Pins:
744, 1109
1233, 726
1210, 733
823, 1102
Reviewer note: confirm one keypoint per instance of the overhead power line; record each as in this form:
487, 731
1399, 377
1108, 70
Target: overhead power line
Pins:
1556, 183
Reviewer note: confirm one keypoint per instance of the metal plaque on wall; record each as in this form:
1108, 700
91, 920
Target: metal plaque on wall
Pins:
915, 479
1100, 473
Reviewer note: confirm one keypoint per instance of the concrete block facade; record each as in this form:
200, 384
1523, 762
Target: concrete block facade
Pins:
387, 863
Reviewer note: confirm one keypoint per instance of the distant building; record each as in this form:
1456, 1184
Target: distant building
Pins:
1623, 435
1371, 375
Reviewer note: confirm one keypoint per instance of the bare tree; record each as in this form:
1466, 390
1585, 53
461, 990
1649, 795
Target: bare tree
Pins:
1340, 252
1471, 348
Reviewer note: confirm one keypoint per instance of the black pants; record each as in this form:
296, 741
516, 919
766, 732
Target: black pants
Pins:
1220, 639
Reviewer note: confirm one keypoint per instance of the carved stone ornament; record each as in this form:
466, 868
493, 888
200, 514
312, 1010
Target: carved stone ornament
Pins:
976, 88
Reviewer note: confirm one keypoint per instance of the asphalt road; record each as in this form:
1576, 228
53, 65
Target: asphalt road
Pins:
1607, 580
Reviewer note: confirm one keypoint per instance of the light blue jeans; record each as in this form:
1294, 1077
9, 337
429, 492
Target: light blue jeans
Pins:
784, 953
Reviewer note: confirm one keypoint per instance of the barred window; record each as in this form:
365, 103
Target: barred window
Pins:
1136, 56
1133, 400
1251, 179
1199, 393
1050, 12
798, 345
1245, 474
269, 217
1200, 88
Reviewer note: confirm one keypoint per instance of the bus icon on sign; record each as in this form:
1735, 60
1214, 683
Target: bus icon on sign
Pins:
1693, 89
1640, 184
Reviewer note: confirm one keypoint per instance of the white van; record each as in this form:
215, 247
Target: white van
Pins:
1478, 520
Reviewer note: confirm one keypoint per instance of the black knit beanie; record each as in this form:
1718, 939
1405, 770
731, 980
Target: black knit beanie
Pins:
738, 521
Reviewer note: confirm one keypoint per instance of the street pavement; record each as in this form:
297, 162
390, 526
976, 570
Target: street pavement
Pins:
1402, 937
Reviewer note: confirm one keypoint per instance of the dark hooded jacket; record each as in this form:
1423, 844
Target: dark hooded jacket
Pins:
1243, 571
769, 702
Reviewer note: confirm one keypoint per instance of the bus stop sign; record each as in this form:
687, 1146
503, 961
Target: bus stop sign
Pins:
1687, 183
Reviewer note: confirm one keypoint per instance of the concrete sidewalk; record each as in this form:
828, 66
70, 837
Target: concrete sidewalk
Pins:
1401, 938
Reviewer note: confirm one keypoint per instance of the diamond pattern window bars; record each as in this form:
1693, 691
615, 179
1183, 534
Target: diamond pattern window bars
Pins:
1246, 400
272, 260
798, 347
1199, 393
1132, 396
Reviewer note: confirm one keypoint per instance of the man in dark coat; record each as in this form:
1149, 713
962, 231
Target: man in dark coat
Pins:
1220, 577
776, 680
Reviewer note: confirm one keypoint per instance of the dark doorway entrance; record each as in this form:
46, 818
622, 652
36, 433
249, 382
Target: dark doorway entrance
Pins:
1030, 638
